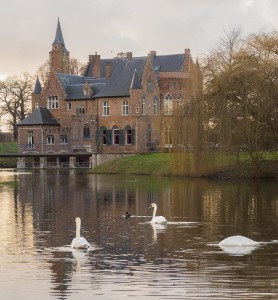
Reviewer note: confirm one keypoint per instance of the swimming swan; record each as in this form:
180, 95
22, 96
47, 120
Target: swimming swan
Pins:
238, 240
79, 242
157, 219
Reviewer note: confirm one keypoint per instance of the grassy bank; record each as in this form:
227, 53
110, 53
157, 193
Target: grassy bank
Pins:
210, 165
8, 147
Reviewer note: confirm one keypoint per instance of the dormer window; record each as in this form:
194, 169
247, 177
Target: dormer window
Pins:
87, 90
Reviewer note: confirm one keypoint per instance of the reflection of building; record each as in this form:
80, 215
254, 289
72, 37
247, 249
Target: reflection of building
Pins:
115, 108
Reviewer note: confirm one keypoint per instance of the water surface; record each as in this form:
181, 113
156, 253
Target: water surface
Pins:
132, 258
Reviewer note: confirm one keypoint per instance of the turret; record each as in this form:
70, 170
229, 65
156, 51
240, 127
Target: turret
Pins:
59, 55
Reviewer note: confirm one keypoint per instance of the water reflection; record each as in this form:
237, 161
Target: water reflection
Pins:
133, 258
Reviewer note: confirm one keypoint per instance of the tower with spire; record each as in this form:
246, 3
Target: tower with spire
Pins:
59, 55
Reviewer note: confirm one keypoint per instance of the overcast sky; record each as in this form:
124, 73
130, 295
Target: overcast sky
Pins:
111, 26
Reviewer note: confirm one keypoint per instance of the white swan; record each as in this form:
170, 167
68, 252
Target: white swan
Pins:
238, 245
157, 219
79, 242
238, 240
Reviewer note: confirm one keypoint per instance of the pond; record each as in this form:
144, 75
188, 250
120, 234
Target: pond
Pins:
130, 257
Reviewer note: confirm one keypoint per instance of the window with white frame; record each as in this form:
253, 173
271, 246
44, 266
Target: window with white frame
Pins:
144, 105
30, 139
137, 109
128, 135
116, 135
63, 139
50, 139
105, 108
52, 102
125, 108
168, 104
69, 106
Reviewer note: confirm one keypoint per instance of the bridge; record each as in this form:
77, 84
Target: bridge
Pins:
51, 160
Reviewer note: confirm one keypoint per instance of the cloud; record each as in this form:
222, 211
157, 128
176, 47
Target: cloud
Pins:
108, 27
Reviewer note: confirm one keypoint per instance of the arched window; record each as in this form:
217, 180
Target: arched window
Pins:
116, 135
128, 135
168, 104
86, 131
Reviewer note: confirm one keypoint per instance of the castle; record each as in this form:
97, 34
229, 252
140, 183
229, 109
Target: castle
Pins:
120, 106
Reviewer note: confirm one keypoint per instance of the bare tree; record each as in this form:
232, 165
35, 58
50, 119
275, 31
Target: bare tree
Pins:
15, 99
75, 67
241, 90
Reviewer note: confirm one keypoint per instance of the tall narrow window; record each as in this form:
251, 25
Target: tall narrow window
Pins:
52, 102
155, 106
75, 131
69, 106
86, 131
149, 85
125, 108
168, 137
30, 140
149, 135
168, 104
143, 105
137, 109
128, 135
105, 108
116, 135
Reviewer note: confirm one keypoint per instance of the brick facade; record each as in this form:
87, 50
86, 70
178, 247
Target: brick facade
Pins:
120, 105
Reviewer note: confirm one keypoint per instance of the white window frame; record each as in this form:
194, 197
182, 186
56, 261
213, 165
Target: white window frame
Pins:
105, 108
125, 108
50, 139
53, 102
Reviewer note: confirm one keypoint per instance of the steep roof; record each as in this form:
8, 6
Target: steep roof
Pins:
121, 78
38, 87
126, 74
59, 40
40, 116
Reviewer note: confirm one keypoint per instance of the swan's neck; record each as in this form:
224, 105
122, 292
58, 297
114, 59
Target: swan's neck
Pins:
154, 211
78, 225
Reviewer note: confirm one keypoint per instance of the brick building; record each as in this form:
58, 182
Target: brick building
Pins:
120, 106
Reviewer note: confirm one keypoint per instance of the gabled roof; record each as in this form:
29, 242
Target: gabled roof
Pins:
40, 116
135, 83
123, 77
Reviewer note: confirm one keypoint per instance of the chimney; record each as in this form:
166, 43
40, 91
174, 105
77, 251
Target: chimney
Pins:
108, 69
94, 60
129, 55
152, 54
